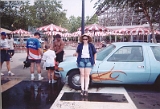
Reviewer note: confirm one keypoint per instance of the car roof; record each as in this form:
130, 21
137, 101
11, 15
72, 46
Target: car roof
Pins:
135, 44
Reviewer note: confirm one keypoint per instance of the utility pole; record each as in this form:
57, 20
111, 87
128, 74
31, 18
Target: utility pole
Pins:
83, 15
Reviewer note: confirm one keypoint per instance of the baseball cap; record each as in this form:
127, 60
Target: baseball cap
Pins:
3, 33
37, 33
58, 36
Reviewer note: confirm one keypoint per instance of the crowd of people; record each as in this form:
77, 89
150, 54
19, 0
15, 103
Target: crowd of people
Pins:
52, 56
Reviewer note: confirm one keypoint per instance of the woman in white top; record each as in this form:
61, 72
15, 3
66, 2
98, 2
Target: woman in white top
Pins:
49, 57
11, 45
86, 56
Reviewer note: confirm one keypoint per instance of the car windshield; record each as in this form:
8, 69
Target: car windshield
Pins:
156, 52
105, 52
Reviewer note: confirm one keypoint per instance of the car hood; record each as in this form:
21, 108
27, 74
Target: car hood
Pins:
70, 59
68, 63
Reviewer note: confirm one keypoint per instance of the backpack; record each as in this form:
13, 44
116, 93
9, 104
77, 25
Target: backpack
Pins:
26, 63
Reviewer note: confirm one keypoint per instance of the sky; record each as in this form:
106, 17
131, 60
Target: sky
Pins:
74, 7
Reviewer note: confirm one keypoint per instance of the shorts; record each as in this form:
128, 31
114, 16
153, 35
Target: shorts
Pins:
35, 61
85, 63
49, 68
4, 56
11, 52
59, 56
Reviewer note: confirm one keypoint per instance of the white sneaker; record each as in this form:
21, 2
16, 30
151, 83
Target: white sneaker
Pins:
54, 81
49, 81
10, 73
11, 60
40, 78
32, 78
2, 74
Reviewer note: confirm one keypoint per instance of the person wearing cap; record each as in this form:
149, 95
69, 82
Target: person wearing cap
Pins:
4, 47
34, 53
86, 57
58, 46
11, 45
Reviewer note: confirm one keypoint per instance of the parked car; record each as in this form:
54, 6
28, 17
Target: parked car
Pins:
17, 40
118, 63
25, 40
104, 44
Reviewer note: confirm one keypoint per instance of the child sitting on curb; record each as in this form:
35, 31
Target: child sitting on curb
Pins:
49, 58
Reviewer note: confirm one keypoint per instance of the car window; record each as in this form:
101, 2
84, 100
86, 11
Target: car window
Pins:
25, 39
127, 54
156, 52
15, 39
105, 52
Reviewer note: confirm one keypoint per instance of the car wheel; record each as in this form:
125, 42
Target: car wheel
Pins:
157, 83
74, 79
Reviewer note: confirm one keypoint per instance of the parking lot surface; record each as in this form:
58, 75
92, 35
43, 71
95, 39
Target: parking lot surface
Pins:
19, 92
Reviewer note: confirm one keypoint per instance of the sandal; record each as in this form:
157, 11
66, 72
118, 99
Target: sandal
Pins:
85, 93
82, 92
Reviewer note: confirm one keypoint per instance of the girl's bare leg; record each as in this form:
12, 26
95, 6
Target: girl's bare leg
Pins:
86, 78
82, 78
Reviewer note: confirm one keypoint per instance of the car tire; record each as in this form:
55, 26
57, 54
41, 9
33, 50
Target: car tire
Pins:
74, 79
157, 83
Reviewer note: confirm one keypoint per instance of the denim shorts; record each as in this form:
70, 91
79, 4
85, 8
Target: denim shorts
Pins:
85, 63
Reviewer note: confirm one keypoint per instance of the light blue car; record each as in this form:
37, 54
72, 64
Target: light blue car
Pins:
118, 63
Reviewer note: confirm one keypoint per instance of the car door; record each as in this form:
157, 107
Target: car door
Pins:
127, 65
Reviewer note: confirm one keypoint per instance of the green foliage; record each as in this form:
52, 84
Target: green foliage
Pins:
74, 23
20, 14
92, 20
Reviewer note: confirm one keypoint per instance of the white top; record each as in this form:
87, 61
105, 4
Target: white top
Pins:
85, 52
4, 43
49, 57
40, 40
11, 42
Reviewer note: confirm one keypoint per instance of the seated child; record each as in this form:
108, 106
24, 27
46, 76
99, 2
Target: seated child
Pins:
49, 58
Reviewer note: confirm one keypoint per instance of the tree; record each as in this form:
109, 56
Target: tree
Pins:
8, 12
74, 23
92, 20
22, 15
50, 11
150, 9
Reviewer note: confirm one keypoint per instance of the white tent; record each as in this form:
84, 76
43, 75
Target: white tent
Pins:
5, 30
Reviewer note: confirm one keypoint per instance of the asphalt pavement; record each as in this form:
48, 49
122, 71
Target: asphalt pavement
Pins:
14, 88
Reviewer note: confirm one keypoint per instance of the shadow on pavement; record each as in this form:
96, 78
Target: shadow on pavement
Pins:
31, 95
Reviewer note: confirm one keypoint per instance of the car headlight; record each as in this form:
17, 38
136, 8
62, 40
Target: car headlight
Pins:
60, 69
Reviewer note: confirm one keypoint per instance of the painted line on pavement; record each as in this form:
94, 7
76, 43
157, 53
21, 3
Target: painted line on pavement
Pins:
9, 84
59, 104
